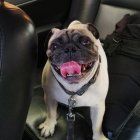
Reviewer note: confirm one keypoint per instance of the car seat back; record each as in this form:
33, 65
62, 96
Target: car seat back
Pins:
17, 60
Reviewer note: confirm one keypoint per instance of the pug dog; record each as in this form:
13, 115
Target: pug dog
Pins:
76, 66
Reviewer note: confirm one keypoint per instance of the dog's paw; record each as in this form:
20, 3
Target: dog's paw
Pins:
99, 137
47, 128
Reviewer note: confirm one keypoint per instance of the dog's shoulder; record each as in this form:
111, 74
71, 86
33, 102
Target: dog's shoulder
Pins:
47, 75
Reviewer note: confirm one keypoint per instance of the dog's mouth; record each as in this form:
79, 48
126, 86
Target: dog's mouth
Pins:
73, 71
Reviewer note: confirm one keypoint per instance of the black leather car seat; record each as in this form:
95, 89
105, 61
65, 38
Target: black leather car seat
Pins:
18, 45
83, 10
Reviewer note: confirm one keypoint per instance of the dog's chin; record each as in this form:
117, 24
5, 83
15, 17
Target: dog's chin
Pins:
73, 79
73, 72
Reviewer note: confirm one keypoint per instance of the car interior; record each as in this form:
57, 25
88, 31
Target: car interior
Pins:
22, 101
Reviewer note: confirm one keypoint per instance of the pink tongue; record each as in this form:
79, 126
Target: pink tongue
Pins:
70, 68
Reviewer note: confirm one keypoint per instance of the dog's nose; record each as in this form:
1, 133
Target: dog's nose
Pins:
70, 49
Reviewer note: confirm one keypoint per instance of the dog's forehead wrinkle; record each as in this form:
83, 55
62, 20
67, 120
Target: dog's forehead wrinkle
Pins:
65, 35
71, 33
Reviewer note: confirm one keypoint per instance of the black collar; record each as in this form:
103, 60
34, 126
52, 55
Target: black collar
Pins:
85, 87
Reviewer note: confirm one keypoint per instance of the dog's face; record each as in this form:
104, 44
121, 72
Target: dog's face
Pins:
72, 52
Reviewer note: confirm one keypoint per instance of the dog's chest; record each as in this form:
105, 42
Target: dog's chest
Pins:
90, 98
94, 95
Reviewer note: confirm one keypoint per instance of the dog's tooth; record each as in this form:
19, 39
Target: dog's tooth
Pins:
57, 68
69, 74
83, 68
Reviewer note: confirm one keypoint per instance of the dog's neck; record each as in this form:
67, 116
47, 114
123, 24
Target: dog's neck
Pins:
77, 86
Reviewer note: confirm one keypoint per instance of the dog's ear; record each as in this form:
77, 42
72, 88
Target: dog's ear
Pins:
51, 32
93, 30
48, 52
55, 30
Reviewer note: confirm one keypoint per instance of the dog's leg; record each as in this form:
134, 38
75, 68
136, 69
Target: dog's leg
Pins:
48, 126
97, 114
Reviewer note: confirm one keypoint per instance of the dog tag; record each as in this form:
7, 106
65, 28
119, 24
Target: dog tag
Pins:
71, 102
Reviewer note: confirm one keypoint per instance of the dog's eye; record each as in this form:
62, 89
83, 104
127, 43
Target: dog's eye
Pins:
54, 46
85, 41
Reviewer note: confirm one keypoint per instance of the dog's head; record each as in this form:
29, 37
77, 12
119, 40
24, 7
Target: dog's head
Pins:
72, 52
